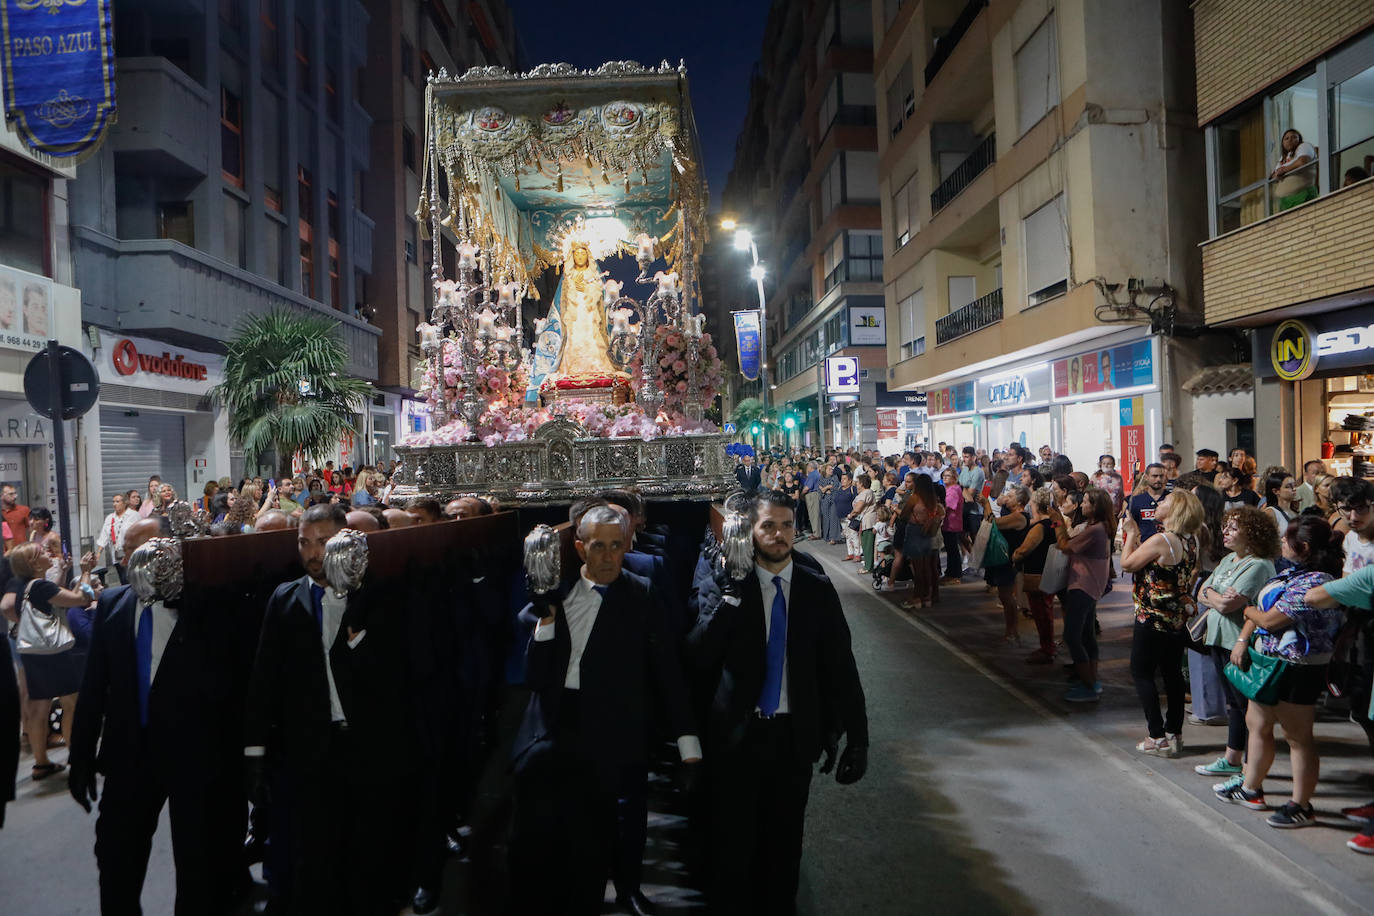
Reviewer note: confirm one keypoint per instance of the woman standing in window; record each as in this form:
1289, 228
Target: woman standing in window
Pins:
1294, 183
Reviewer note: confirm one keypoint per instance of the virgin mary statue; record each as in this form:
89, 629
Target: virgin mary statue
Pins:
580, 317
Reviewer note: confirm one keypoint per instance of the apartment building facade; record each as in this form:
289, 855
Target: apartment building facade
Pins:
406, 42
1040, 173
804, 182
1288, 260
227, 188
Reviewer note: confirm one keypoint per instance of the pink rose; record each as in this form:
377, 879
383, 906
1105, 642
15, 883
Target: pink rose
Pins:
682, 387
679, 367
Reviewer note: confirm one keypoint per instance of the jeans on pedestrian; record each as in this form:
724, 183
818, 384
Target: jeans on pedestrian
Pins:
1237, 735
1080, 612
1156, 651
954, 557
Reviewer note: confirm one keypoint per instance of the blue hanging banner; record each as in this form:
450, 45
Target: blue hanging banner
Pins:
59, 77
747, 340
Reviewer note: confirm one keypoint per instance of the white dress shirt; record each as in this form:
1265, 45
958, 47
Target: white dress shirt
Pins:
769, 592
581, 607
332, 619
164, 622
112, 533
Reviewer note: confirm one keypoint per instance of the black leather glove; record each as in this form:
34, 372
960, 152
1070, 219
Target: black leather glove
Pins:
853, 764
255, 780
689, 777
727, 584
545, 604
81, 782
830, 746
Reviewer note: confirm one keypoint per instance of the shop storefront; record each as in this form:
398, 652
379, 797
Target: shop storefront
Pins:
155, 417
1015, 407
1108, 403
1083, 404
902, 420
1321, 365
953, 417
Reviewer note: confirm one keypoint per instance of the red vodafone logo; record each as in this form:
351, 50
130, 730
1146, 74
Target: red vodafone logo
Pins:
127, 360
125, 357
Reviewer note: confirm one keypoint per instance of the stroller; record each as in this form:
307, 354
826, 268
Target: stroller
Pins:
882, 564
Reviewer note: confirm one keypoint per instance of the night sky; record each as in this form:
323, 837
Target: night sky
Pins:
719, 39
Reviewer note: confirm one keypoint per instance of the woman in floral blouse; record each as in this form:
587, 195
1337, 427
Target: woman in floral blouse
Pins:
1164, 568
1302, 636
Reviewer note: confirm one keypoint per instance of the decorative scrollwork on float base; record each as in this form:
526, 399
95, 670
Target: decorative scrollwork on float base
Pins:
561, 463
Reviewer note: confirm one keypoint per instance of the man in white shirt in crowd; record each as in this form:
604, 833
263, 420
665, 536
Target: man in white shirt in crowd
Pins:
1312, 471
111, 536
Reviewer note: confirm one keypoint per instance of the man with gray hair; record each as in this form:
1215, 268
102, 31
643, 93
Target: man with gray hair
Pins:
597, 653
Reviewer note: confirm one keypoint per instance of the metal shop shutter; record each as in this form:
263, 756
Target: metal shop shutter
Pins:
132, 449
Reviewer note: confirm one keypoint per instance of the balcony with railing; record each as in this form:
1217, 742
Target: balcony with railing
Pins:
974, 164
978, 314
162, 118
950, 40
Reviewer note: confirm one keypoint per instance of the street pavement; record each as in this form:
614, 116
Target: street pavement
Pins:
986, 793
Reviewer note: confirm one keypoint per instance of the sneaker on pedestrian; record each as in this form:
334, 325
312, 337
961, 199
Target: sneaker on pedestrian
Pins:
1292, 815
1081, 693
1362, 842
1218, 767
1364, 814
1210, 720
1236, 793
1237, 780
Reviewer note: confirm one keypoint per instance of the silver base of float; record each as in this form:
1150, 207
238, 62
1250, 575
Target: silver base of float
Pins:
561, 463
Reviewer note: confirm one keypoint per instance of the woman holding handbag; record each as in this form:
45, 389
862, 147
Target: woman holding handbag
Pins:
1284, 672
50, 675
844, 508
1032, 555
1233, 586
1012, 525
854, 521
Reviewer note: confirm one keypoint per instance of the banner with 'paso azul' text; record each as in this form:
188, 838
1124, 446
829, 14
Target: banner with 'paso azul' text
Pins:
747, 340
59, 74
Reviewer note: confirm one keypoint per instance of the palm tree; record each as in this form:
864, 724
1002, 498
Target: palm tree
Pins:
750, 411
287, 388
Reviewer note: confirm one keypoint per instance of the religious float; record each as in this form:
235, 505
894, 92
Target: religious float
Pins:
587, 182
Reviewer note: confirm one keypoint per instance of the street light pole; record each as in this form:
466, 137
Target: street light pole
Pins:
756, 271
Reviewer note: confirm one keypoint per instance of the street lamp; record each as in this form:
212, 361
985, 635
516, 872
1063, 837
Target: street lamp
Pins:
744, 241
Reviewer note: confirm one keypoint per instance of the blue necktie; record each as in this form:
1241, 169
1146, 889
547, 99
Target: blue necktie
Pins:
601, 589
143, 649
771, 694
317, 602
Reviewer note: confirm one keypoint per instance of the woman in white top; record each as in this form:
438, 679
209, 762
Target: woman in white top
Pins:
1281, 499
1294, 182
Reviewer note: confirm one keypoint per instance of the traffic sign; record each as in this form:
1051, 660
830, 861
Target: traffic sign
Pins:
76, 380
61, 384
730, 429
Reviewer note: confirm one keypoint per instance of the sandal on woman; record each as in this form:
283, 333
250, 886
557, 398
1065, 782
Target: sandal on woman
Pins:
44, 770
1155, 746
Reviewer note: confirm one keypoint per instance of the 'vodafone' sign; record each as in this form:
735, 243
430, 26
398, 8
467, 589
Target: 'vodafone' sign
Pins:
127, 361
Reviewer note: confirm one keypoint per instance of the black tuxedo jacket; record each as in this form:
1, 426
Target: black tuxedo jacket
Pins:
750, 478
190, 710
628, 659
728, 645
288, 690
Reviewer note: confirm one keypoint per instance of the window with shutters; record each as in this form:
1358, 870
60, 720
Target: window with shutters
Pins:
905, 221
912, 311
901, 100
1046, 255
1036, 65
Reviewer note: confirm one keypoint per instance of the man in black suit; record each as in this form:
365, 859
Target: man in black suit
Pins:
597, 654
748, 475
155, 697
321, 726
776, 649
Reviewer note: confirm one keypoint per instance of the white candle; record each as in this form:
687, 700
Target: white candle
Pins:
667, 283
620, 322
507, 293
429, 336
467, 255
646, 247
486, 323
612, 291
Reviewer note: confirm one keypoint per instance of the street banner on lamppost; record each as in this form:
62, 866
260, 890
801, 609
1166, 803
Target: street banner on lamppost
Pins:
59, 74
747, 340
